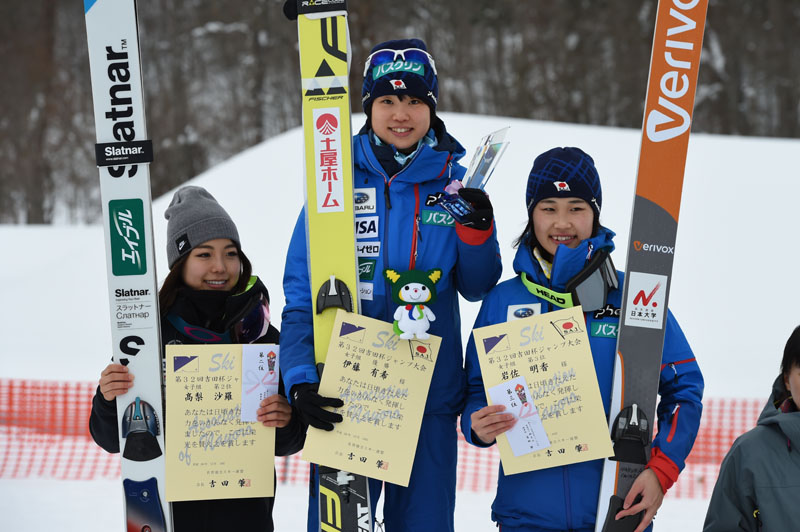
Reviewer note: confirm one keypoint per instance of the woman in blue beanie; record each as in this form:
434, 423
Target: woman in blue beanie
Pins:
403, 159
562, 242
209, 296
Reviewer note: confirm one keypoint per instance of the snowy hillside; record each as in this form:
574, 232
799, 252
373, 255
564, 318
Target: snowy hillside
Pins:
734, 256
733, 293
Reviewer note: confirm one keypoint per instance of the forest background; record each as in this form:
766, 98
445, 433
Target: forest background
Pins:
222, 76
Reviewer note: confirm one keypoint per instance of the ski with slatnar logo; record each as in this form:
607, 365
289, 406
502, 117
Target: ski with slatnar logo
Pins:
669, 104
123, 153
344, 503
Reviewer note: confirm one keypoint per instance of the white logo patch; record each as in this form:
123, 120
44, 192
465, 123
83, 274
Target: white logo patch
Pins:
645, 306
366, 227
397, 84
328, 160
364, 200
561, 186
365, 291
518, 312
368, 249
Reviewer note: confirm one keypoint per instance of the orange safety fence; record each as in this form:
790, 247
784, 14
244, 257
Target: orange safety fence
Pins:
44, 433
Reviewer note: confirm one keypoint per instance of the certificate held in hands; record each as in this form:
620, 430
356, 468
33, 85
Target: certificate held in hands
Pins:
541, 369
216, 449
383, 382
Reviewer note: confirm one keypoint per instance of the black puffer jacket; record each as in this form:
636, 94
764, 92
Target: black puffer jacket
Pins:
202, 310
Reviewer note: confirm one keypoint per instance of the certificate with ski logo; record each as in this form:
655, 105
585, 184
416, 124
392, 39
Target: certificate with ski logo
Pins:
211, 452
383, 382
541, 369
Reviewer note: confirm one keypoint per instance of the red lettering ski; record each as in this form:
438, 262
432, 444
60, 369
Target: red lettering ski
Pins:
328, 158
645, 300
330, 201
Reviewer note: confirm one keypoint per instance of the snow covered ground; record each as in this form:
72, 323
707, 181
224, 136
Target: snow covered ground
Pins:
79, 506
735, 257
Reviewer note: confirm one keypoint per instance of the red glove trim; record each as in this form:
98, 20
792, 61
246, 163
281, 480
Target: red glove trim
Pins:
473, 237
664, 468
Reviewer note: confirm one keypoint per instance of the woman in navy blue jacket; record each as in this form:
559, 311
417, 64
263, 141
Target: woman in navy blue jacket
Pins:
403, 158
563, 204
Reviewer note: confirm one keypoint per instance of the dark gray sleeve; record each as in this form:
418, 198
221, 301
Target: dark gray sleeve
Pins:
733, 500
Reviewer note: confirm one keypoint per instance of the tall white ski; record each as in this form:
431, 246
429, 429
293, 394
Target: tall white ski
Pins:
123, 153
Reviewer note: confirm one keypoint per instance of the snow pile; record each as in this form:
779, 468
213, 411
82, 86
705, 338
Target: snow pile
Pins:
732, 255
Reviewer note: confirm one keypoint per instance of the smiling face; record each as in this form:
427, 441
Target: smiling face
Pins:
213, 265
561, 221
415, 293
401, 121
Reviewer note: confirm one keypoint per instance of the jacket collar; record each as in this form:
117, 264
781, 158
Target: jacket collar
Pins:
427, 163
220, 312
566, 263
786, 422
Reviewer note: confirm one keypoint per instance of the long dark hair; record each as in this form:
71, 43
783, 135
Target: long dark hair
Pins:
174, 281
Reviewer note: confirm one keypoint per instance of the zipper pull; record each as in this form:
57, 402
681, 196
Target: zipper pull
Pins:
419, 231
386, 195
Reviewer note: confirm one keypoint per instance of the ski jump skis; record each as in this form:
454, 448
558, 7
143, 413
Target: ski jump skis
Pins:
123, 153
330, 218
674, 65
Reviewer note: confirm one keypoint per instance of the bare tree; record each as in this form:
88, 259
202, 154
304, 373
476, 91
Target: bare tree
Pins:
222, 76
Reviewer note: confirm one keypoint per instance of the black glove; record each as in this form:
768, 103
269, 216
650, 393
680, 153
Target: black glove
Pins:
481, 219
309, 403
290, 9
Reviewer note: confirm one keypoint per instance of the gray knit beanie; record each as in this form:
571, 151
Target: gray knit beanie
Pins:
194, 217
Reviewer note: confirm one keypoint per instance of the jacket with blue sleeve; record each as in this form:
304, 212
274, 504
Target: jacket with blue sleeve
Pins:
399, 227
565, 498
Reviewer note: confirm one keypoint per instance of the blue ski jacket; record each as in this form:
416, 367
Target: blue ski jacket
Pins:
398, 227
565, 498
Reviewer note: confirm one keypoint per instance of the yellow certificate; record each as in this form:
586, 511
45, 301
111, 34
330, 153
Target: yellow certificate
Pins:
210, 452
541, 369
383, 382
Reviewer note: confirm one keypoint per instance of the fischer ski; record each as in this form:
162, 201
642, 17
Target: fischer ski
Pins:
123, 153
674, 66
324, 42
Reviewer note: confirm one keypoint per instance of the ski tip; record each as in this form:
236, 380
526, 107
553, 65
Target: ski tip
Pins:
87, 5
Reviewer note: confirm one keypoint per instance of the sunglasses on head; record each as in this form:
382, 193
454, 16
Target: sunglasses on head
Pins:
411, 55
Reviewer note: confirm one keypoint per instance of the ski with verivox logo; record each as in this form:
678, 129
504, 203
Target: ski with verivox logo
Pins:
123, 153
674, 65
343, 500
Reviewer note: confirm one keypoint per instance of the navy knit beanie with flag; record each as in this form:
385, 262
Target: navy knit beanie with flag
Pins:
564, 173
194, 217
400, 67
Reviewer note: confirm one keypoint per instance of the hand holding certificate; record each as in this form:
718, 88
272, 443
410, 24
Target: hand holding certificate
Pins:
383, 382
541, 369
216, 449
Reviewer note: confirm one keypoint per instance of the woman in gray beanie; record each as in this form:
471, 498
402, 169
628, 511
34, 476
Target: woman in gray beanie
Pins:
209, 296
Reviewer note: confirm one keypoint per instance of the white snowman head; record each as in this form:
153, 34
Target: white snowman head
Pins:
414, 286
415, 293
